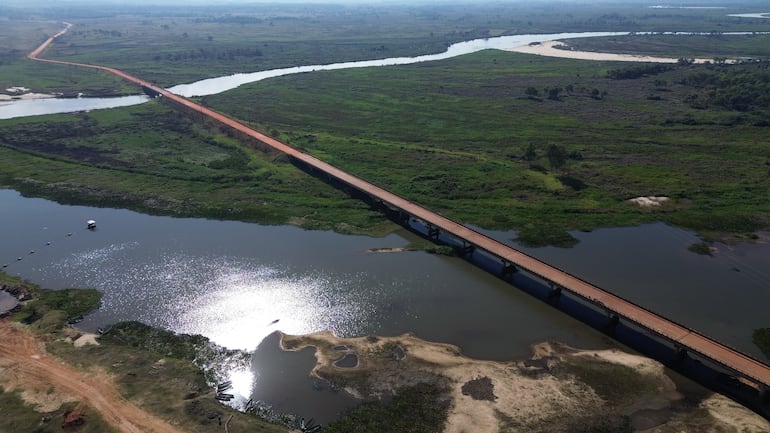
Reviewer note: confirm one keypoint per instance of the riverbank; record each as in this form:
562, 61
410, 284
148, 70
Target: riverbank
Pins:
557, 389
24, 95
53, 375
563, 50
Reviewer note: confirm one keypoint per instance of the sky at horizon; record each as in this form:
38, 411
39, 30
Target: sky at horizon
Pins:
651, 3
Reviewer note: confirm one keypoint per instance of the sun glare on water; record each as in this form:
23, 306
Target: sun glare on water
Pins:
234, 302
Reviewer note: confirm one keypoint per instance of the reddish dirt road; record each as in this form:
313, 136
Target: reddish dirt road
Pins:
24, 364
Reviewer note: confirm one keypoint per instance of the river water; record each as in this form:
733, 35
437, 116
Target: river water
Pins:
232, 281
37, 107
21, 108
7, 302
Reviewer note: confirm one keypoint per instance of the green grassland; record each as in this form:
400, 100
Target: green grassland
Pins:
454, 135
19, 417
713, 46
19, 37
468, 137
155, 159
169, 45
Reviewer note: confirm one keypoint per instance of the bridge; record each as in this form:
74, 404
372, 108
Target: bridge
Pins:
682, 339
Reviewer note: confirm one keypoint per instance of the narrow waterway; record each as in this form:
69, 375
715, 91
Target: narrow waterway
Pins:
210, 86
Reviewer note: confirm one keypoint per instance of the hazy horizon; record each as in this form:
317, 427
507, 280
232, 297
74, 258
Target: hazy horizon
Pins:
679, 3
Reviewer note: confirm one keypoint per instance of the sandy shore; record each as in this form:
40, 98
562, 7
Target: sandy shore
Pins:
24, 96
549, 49
521, 396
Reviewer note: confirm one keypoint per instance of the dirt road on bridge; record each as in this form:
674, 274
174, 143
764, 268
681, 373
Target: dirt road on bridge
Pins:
25, 365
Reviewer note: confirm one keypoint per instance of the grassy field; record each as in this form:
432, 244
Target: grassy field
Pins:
681, 46
469, 137
19, 37
19, 417
455, 135
169, 45
155, 159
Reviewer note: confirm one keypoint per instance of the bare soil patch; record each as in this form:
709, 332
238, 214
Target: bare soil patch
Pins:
25, 365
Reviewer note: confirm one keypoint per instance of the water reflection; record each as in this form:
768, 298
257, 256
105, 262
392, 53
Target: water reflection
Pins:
234, 301
37, 107
7, 302
230, 281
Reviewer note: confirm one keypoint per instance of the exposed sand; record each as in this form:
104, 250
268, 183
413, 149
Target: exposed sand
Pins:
523, 395
732, 413
86, 339
4, 97
649, 201
46, 383
549, 49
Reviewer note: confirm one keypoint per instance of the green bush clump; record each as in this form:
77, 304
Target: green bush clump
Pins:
145, 337
420, 408
700, 248
52, 309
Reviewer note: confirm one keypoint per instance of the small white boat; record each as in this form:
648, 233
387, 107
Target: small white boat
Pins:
91, 224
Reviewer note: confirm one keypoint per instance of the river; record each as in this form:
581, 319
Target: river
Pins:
210, 86
231, 281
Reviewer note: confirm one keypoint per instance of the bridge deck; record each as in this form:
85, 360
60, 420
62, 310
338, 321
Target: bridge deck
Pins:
686, 338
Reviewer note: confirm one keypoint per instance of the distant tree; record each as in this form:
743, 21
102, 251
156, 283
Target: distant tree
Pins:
557, 156
531, 91
553, 93
531, 153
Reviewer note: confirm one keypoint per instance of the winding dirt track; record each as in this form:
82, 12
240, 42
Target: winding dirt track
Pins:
24, 364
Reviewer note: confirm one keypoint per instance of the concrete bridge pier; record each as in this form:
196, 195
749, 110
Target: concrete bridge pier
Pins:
555, 293
508, 269
467, 249
399, 216
403, 218
152, 93
433, 232
680, 354
612, 323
